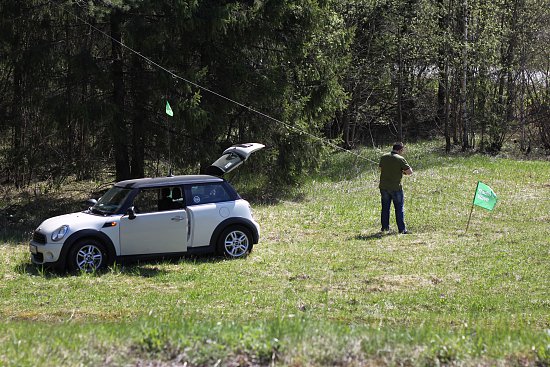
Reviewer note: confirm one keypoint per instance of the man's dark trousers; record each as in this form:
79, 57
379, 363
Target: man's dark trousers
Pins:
398, 198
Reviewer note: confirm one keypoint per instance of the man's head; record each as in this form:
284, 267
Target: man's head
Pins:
398, 147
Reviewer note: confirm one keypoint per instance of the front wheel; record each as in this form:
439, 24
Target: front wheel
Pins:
88, 255
235, 242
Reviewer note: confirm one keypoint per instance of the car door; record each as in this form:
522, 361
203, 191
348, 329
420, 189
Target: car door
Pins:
232, 158
208, 205
160, 224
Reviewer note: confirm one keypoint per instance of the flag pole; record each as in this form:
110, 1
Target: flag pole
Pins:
169, 112
472, 209
470, 217
169, 154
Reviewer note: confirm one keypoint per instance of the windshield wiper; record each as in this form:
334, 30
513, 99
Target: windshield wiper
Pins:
97, 211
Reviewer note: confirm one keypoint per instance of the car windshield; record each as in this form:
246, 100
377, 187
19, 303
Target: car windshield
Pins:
111, 201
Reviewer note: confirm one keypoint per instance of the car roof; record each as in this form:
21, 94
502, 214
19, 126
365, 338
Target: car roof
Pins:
167, 181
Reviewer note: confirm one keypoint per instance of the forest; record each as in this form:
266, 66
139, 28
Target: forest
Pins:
84, 83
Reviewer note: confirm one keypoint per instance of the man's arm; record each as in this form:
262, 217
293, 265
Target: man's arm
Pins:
408, 172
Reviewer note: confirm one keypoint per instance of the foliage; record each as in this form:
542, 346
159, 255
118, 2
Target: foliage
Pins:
416, 73
84, 83
80, 94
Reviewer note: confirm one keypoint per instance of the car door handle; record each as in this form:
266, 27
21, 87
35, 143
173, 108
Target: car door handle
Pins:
177, 218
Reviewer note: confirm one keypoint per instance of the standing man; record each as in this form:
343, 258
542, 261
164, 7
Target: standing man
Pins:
392, 167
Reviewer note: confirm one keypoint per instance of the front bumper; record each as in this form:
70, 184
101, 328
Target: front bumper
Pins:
45, 253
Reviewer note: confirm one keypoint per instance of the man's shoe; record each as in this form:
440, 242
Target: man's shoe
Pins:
405, 232
385, 229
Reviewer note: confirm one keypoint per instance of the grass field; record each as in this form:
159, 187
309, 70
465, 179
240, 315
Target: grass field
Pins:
323, 287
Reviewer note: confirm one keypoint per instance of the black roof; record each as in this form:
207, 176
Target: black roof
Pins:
167, 181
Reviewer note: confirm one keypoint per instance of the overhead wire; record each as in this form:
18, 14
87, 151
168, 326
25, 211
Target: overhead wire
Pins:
251, 109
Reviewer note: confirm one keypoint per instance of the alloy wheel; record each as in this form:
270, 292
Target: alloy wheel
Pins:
89, 258
236, 243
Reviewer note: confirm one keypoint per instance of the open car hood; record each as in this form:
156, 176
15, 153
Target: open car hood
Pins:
232, 158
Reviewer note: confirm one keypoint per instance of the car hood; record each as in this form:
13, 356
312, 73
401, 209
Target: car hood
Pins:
75, 221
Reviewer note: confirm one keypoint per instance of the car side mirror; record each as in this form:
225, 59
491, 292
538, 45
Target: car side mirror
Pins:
131, 213
88, 204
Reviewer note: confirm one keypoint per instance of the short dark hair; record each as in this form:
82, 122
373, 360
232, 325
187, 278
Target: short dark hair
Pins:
398, 146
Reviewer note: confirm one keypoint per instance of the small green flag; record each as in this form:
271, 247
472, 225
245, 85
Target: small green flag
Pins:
485, 197
169, 111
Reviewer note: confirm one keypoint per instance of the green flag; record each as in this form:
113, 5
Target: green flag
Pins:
169, 111
485, 197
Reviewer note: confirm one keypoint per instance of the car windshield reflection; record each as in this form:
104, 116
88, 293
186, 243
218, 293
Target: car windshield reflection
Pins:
111, 201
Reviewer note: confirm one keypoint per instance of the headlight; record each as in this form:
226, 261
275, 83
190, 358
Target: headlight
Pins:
59, 233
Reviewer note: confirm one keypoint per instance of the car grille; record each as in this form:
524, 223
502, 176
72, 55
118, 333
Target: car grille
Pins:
39, 237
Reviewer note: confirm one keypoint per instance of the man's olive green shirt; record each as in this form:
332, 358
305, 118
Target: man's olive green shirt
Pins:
392, 166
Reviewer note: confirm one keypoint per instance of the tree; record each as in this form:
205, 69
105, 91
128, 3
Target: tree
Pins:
84, 83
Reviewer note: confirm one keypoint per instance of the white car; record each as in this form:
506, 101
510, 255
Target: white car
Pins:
152, 217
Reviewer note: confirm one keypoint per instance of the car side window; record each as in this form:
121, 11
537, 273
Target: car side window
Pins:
208, 193
158, 200
171, 198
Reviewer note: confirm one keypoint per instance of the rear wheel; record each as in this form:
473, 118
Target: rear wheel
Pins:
88, 255
235, 242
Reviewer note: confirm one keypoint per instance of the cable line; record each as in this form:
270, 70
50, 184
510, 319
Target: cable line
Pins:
174, 75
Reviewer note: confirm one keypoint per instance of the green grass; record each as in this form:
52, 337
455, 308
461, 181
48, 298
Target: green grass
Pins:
323, 287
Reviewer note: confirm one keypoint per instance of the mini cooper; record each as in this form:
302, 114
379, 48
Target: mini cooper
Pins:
153, 217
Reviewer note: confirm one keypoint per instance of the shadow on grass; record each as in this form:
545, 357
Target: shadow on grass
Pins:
141, 270
51, 273
369, 237
144, 268
37, 270
149, 268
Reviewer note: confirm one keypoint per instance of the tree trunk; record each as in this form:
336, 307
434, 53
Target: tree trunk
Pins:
346, 131
523, 144
511, 60
119, 131
138, 118
443, 81
464, 102
400, 96
455, 107
17, 113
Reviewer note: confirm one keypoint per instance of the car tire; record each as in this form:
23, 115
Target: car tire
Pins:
235, 242
88, 255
